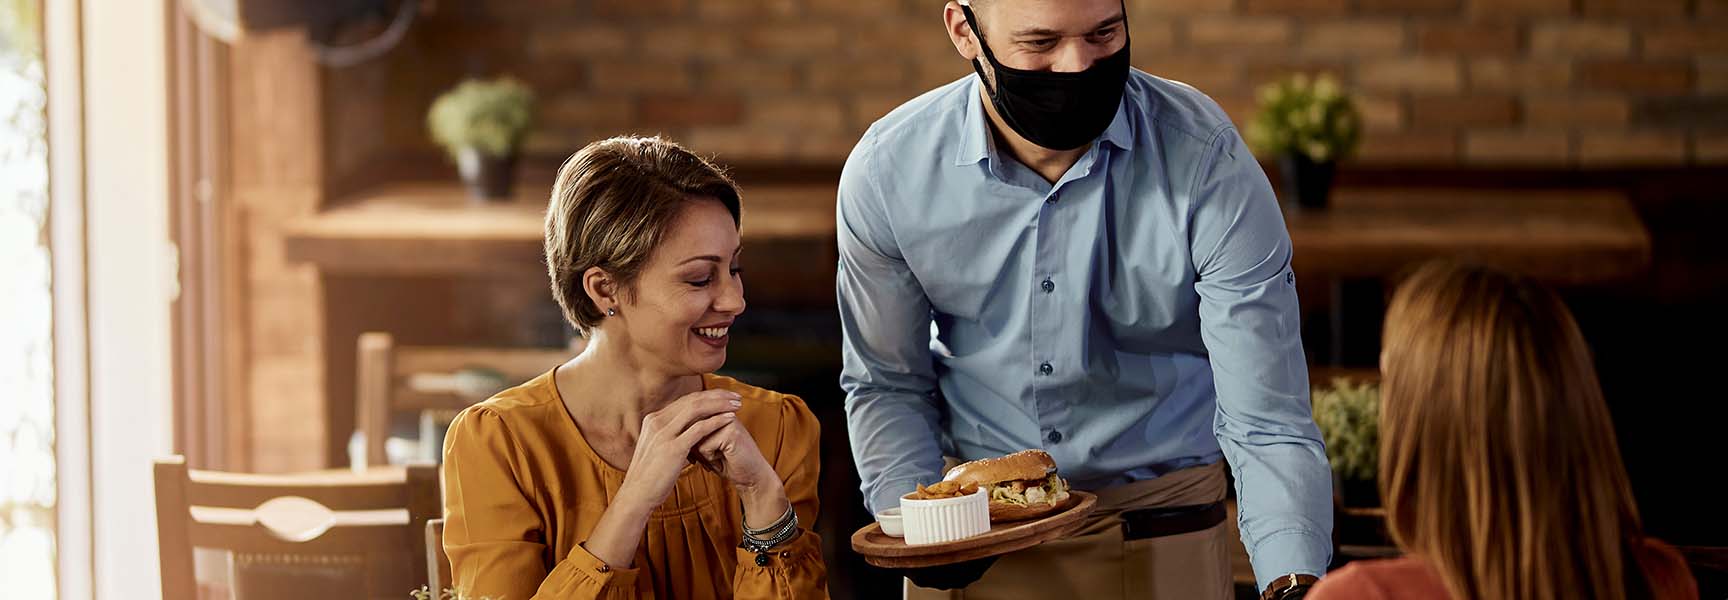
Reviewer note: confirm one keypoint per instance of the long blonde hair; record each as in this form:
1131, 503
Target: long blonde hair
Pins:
1498, 462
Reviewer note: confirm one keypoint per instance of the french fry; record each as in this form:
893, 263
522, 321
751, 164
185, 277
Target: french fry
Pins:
945, 489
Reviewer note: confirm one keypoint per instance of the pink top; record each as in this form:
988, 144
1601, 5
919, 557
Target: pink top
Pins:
1414, 579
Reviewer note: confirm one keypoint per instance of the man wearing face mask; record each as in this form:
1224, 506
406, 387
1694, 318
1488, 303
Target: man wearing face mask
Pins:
1065, 253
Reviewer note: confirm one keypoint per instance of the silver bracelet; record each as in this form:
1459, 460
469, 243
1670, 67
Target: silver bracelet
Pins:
772, 527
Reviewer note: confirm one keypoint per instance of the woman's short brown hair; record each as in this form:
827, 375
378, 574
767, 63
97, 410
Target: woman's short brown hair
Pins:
612, 205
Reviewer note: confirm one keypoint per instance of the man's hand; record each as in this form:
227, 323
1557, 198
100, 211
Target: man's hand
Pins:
949, 577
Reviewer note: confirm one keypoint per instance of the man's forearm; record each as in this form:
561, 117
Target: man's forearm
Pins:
894, 443
1284, 491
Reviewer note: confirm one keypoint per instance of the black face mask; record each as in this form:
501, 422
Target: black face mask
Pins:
1059, 111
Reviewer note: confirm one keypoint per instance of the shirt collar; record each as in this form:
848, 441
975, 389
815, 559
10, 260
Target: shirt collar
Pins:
1120, 133
974, 129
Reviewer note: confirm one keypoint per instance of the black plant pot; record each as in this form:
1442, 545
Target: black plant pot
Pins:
489, 178
1310, 181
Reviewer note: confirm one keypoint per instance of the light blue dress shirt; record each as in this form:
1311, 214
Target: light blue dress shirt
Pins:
1137, 317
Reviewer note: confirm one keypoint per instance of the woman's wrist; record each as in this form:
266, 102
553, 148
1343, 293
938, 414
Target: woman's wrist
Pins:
763, 503
763, 540
615, 537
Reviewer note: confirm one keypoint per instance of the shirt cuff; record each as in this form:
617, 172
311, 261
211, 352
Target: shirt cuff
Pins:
1299, 552
803, 547
586, 566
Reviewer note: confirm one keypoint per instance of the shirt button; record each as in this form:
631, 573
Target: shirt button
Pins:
1055, 437
1046, 368
604, 568
1050, 200
1049, 286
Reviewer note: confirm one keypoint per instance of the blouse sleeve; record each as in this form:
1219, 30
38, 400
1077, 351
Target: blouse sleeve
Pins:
494, 535
795, 569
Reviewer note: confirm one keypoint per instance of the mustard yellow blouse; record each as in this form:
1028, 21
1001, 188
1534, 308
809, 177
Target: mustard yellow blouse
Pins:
523, 490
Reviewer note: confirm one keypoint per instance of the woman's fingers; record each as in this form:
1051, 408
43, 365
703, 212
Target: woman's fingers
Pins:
713, 448
693, 408
700, 429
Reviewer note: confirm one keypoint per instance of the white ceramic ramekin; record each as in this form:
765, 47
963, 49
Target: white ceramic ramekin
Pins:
889, 519
945, 519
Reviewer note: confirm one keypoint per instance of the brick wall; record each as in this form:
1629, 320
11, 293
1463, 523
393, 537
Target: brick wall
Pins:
1496, 82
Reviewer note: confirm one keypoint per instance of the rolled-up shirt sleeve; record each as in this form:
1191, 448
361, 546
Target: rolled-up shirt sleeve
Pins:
1250, 326
888, 373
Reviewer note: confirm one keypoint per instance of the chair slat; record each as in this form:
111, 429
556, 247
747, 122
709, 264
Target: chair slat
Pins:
437, 562
339, 540
233, 490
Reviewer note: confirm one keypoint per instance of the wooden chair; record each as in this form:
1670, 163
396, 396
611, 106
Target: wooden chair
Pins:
395, 378
331, 536
437, 562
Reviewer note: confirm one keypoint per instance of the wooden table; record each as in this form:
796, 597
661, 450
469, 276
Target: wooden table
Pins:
423, 228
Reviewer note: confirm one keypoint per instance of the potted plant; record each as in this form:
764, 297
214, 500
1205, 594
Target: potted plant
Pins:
481, 124
1308, 124
1348, 414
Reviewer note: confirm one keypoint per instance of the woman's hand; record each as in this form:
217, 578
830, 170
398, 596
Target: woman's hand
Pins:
733, 454
668, 438
663, 448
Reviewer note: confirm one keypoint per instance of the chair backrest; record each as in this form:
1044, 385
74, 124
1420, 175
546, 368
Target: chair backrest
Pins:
437, 562
327, 535
394, 378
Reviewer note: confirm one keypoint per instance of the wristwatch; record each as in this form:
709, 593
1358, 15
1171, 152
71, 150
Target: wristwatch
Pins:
1289, 587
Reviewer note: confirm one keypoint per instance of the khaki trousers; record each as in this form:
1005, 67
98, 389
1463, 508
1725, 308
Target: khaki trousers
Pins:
1097, 564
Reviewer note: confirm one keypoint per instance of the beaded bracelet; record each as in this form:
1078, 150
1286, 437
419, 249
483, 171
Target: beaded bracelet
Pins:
783, 530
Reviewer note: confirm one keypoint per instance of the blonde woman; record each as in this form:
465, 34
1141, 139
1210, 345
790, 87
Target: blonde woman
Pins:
1498, 464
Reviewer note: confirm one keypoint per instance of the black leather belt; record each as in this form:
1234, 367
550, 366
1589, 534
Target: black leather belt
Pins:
1174, 520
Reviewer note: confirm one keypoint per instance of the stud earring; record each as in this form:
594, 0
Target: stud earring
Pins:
611, 312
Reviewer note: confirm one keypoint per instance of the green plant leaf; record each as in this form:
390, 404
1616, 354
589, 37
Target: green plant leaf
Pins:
492, 117
1310, 116
1348, 414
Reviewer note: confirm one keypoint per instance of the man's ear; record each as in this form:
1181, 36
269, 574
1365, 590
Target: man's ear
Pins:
961, 34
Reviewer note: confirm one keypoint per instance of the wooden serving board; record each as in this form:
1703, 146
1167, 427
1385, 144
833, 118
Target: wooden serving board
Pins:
886, 551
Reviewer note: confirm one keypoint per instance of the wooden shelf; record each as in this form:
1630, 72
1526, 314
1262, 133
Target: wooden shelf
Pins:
434, 228
1567, 236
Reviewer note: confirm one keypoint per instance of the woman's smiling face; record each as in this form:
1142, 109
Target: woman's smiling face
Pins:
684, 301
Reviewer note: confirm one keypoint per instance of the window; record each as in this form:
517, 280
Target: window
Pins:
27, 464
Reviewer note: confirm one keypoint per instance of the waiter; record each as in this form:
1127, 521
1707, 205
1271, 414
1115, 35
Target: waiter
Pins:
1063, 252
